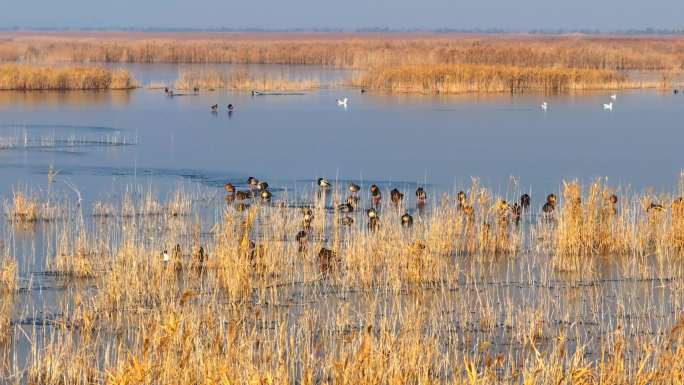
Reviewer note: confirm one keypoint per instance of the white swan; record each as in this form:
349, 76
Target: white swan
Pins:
608, 106
545, 106
342, 102
613, 96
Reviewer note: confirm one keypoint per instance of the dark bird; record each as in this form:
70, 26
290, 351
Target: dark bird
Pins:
327, 261
354, 188
372, 213
461, 197
166, 90
242, 195
655, 207
421, 197
516, 212
196, 89
266, 195
347, 221
375, 195
407, 220
262, 186
396, 196
551, 198
345, 208
252, 182
230, 107
214, 108
525, 201
302, 239
324, 183
676, 91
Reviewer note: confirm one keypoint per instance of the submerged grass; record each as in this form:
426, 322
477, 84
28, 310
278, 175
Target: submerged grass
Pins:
248, 298
26, 77
463, 78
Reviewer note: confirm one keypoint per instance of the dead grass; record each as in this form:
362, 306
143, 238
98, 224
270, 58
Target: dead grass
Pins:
25, 77
464, 78
241, 80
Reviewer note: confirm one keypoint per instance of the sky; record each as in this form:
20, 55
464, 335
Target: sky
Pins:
520, 15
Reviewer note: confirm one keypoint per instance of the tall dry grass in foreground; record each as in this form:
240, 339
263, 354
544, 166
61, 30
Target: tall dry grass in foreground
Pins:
476, 291
25, 77
353, 50
241, 80
463, 78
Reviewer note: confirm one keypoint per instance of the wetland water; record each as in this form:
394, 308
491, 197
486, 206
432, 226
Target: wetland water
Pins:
104, 142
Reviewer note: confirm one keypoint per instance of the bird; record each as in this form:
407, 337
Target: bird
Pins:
214, 108
165, 256
252, 182
327, 261
516, 211
354, 188
166, 90
421, 197
550, 204
229, 188
375, 194
676, 91
324, 183
230, 107
396, 197
613, 96
243, 195
262, 185
525, 201
407, 220
461, 196
608, 106
345, 207
342, 102
347, 221
266, 195
372, 213
545, 106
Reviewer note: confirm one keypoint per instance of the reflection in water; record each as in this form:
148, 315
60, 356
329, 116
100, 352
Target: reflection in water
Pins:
44, 99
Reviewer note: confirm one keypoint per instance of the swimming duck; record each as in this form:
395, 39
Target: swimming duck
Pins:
396, 197
166, 90
324, 184
655, 207
354, 188
516, 212
242, 195
676, 91
214, 107
551, 198
372, 213
327, 261
345, 208
262, 186
308, 218
230, 107
266, 195
165, 257
406, 220
525, 201
196, 89
376, 195
252, 182
230, 189
347, 221
421, 197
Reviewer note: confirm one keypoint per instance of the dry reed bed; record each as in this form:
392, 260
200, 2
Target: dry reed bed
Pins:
464, 78
247, 303
355, 50
26, 77
241, 80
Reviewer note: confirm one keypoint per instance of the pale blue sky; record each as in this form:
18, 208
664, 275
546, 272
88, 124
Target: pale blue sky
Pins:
349, 14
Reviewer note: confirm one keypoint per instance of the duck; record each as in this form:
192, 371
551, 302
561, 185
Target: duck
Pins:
406, 220
327, 261
676, 91
608, 106
613, 97
421, 197
165, 257
266, 195
545, 106
324, 184
376, 195
374, 223
230, 189
262, 185
302, 239
655, 207
525, 201
461, 197
354, 188
230, 107
347, 221
196, 89
243, 195
252, 182
345, 208
342, 102
550, 204
214, 107
166, 90
396, 197
372, 213
308, 217
516, 212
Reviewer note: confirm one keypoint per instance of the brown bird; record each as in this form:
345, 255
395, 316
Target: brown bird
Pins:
376, 195
406, 220
421, 197
327, 261
396, 197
